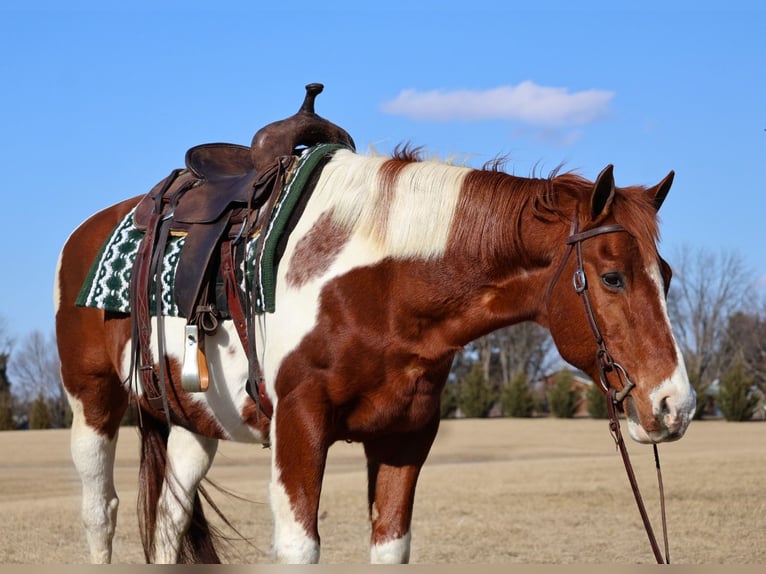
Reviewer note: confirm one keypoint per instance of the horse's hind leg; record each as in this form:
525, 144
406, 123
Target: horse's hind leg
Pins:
93, 453
189, 458
393, 468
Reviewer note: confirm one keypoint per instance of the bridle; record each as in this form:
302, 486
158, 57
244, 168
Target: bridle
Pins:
607, 364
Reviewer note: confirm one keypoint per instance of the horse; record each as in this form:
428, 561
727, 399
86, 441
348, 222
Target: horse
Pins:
396, 263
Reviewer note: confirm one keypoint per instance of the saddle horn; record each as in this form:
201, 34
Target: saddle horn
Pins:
305, 128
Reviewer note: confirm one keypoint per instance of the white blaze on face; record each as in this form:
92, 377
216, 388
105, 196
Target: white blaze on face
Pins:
674, 399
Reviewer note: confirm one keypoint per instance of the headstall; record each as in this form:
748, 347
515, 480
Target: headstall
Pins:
607, 364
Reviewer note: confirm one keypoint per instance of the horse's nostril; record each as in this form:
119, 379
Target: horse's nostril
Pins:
665, 409
667, 413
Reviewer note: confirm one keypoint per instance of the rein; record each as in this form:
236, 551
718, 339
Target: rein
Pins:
606, 365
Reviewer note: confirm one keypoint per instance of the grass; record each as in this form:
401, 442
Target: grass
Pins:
493, 491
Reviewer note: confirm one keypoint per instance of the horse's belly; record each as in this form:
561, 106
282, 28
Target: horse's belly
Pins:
224, 405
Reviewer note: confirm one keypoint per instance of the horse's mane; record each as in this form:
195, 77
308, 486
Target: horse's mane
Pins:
488, 204
555, 196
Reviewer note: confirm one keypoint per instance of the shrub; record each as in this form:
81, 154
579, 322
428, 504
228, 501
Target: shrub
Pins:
6, 412
39, 417
449, 400
474, 394
563, 398
517, 398
596, 400
737, 400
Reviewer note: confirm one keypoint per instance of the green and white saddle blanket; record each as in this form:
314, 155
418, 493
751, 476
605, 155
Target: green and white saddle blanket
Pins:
107, 286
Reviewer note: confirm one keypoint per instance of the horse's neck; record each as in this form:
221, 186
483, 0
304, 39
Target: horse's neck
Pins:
506, 252
486, 303
458, 226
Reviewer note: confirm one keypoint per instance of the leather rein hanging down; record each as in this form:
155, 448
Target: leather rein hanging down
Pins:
606, 365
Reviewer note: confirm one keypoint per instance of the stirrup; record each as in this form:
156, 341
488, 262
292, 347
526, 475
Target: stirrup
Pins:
195, 377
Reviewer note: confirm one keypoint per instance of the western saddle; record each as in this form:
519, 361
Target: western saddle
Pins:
219, 201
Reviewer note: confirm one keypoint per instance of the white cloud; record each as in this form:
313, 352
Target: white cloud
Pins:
526, 102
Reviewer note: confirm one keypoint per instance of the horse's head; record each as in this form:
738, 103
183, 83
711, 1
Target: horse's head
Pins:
606, 307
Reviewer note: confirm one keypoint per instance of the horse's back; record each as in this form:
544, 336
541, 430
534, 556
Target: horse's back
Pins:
88, 347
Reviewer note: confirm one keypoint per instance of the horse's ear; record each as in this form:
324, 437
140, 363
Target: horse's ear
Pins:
603, 193
660, 191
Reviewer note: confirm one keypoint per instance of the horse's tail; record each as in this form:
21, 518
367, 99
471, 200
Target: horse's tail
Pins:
197, 543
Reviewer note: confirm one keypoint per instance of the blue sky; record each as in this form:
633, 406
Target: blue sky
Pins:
99, 103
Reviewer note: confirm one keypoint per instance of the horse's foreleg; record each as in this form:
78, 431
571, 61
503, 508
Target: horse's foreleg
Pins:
393, 467
93, 455
299, 453
189, 458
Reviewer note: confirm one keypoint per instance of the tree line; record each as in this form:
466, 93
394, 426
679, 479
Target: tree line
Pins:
718, 316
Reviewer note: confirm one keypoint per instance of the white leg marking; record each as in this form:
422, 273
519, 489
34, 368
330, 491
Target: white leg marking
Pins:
189, 458
395, 551
292, 543
93, 455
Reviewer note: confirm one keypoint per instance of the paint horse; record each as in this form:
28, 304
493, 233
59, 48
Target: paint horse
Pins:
395, 264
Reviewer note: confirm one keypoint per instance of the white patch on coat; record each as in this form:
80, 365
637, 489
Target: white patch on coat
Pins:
57, 285
418, 223
420, 213
226, 397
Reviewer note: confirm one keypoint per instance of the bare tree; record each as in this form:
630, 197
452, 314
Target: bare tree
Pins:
36, 371
707, 289
6, 341
6, 400
522, 348
746, 339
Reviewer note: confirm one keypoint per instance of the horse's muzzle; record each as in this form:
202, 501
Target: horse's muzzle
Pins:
672, 411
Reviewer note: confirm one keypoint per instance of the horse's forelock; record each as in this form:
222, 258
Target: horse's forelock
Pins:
635, 211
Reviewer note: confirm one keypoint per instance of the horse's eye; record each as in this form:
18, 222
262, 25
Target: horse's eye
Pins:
613, 280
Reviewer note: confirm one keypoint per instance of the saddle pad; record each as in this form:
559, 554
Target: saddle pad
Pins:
107, 285
280, 215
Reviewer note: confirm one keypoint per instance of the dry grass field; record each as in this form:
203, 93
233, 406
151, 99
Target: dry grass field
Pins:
493, 491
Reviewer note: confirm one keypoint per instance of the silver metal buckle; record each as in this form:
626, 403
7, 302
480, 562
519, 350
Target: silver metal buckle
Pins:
579, 281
